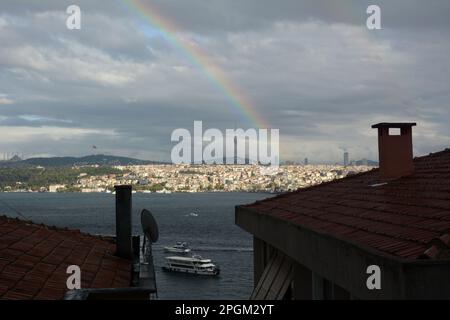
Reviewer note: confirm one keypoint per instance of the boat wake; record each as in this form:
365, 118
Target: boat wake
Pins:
224, 249
192, 214
212, 249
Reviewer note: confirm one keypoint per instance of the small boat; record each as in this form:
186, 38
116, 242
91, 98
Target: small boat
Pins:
193, 265
180, 247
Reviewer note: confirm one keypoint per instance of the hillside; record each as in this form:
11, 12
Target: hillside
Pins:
103, 160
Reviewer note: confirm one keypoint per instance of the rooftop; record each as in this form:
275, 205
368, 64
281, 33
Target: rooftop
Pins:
34, 259
407, 218
394, 125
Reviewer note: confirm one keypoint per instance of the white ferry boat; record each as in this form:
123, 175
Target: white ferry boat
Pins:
194, 265
180, 247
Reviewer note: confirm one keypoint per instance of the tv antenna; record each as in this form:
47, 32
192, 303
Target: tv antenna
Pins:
150, 229
151, 233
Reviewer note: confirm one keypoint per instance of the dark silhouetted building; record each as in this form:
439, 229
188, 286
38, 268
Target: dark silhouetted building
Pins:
346, 163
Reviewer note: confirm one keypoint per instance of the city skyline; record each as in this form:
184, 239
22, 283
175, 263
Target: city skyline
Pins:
15, 156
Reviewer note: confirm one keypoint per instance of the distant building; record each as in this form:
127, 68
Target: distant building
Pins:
235, 160
56, 187
381, 234
92, 190
346, 159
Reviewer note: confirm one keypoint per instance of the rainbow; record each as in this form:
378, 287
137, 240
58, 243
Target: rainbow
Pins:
171, 32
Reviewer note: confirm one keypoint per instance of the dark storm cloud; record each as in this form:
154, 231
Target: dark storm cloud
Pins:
237, 15
310, 68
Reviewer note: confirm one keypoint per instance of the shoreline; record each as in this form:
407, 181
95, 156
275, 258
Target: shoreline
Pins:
140, 192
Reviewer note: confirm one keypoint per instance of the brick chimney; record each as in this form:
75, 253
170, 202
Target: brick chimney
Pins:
395, 151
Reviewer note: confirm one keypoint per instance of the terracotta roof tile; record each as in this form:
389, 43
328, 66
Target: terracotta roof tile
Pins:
404, 217
34, 259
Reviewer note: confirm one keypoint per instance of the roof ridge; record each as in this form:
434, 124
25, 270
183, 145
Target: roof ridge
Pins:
56, 228
433, 154
315, 186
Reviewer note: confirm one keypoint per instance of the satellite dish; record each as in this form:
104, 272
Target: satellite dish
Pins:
149, 226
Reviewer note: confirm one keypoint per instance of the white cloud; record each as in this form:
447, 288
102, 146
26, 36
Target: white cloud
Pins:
29, 134
4, 100
3, 23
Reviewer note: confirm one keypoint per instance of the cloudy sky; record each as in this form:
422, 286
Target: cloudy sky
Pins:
309, 68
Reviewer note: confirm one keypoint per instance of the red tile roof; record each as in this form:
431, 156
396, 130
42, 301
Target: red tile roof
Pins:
34, 259
407, 218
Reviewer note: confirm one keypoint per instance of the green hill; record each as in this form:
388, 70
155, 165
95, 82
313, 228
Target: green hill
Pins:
100, 159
